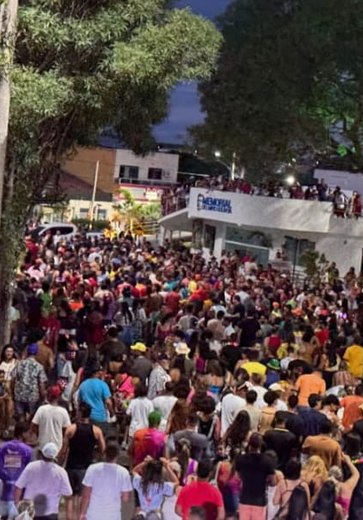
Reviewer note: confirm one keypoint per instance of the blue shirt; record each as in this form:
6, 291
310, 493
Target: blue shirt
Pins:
94, 392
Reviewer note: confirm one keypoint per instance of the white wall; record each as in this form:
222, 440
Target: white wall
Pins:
167, 162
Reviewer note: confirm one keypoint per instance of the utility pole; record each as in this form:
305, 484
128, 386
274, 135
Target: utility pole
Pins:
8, 18
94, 191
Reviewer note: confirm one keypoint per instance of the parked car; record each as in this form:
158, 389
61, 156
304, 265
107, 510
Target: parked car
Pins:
62, 229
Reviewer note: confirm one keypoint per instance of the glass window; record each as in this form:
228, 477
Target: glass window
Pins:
155, 174
128, 172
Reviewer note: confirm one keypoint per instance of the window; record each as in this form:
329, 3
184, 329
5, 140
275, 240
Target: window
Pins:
83, 213
128, 172
101, 214
155, 174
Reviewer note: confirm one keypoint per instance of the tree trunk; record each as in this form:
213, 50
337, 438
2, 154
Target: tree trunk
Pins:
8, 18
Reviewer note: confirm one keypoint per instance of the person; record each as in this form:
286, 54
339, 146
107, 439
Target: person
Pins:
198, 441
96, 393
351, 405
78, 447
283, 496
14, 457
298, 507
29, 383
252, 409
142, 366
231, 404
148, 441
50, 420
138, 410
237, 435
293, 421
354, 357
256, 472
346, 487
201, 494
105, 486
281, 441
325, 503
312, 417
45, 483
308, 384
9, 361
164, 403
158, 376
268, 412
153, 480
324, 446
112, 351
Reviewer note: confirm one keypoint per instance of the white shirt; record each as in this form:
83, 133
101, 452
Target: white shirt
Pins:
165, 404
51, 419
46, 479
139, 410
231, 405
107, 480
260, 391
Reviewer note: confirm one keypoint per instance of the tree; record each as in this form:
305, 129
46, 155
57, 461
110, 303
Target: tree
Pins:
134, 214
79, 67
289, 83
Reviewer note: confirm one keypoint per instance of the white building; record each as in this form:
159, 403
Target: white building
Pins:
262, 225
152, 169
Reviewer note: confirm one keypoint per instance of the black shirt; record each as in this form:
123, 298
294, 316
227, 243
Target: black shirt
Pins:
230, 354
283, 443
254, 470
250, 327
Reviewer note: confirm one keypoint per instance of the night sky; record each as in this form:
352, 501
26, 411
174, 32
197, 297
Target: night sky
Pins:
184, 103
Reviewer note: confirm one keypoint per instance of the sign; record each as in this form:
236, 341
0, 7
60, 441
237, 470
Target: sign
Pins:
213, 204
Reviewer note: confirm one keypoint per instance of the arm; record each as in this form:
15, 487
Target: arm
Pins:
173, 477
85, 500
125, 496
64, 449
109, 406
18, 495
100, 439
352, 481
220, 513
179, 510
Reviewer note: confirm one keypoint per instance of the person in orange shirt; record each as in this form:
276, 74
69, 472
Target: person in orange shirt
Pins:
310, 384
351, 405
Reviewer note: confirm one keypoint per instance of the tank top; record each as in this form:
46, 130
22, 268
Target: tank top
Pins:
81, 447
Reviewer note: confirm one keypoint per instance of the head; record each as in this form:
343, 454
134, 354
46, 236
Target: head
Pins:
315, 401
153, 474
352, 444
84, 410
197, 513
140, 390
53, 394
325, 502
255, 443
292, 402
204, 469
112, 452
314, 467
154, 419
20, 430
49, 452
8, 353
298, 505
270, 397
279, 420
292, 469
251, 397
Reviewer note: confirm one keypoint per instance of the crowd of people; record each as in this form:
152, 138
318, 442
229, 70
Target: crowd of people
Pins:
194, 389
176, 198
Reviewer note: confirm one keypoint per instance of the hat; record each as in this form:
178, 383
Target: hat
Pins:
182, 348
32, 349
50, 450
139, 347
274, 364
53, 392
275, 387
244, 385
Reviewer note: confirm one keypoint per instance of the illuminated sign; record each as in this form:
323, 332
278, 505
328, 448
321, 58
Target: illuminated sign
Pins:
213, 204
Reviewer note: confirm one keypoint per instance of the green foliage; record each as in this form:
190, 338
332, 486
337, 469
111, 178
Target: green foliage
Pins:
288, 73
315, 265
97, 225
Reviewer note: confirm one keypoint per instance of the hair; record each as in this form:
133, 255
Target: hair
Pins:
292, 469
154, 419
140, 390
152, 474
279, 418
313, 400
251, 396
270, 397
358, 390
192, 419
197, 513
314, 467
84, 410
179, 417
325, 502
298, 504
183, 453
292, 401
20, 429
331, 399
207, 405
239, 429
326, 427
112, 451
255, 442
352, 443
204, 469
2, 357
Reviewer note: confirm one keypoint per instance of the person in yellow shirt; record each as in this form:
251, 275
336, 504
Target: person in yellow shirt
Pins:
354, 357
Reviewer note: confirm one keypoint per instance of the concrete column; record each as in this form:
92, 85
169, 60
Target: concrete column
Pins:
219, 243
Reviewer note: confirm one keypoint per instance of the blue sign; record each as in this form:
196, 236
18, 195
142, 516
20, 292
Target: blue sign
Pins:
213, 204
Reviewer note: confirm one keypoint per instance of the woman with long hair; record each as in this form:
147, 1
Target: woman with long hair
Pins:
298, 505
346, 487
325, 502
237, 435
153, 480
183, 457
286, 486
315, 474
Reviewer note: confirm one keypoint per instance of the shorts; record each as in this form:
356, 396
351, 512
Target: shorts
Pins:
76, 477
8, 509
22, 407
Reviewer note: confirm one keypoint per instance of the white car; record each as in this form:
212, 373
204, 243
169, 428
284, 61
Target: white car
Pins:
61, 229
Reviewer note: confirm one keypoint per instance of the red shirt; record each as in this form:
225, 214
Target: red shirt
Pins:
172, 302
200, 494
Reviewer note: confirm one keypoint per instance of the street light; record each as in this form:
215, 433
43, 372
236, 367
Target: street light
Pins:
290, 180
232, 167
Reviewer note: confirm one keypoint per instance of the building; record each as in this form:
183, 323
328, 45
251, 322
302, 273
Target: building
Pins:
262, 226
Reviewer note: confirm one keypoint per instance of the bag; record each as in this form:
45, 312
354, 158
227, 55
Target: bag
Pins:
282, 512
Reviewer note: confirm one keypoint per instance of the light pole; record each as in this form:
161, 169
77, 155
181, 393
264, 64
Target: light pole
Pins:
232, 167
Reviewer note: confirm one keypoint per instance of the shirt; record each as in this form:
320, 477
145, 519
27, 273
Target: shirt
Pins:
139, 410
308, 384
282, 442
200, 494
28, 375
312, 420
152, 500
108, 481
254, 470
231, 405
157, 379
94, 392
51, 420
47, 483
354, 356
328, 449
148, 441
14, 456
352, 413
198, 443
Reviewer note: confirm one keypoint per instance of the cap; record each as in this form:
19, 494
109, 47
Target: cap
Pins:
274, 364
50, 450
53, 392
139, 347
275, 387
32, 349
